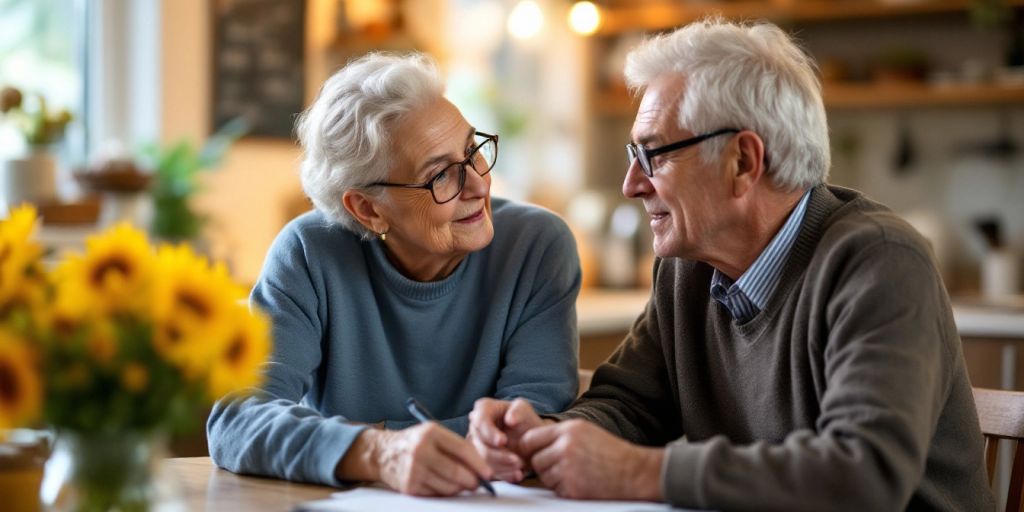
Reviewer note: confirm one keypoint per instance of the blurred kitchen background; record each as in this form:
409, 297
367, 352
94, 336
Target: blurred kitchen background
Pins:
181, 120
177, 115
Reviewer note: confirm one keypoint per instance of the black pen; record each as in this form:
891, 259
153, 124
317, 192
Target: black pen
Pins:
420, 413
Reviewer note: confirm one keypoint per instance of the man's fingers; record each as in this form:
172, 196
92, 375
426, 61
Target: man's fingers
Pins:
486, 421
491, 434
521, 416
551, 477
538, 438
546, 457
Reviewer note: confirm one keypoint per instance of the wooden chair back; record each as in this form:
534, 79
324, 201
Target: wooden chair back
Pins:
1001, 414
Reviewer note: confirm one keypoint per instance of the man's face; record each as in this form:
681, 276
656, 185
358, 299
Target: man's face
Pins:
685, 198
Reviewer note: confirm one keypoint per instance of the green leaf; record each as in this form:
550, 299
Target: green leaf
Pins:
218, 143
176, 179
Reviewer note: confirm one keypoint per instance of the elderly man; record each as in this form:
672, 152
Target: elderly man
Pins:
798, 351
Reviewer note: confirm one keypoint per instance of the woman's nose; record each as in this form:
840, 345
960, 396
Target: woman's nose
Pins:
476, 185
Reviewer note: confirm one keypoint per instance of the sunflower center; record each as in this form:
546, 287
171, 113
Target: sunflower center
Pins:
194, 303
5, 252
64, 326
236, 351
8, 383
174, 334
111, 265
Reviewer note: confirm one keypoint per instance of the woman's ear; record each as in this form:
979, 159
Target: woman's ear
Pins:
750, 166
365, 209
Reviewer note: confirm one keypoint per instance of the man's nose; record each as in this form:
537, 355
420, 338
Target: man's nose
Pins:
636, 184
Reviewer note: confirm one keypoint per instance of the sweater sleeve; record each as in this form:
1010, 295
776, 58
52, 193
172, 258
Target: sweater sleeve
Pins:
630, 394
541, 354
886, 320
270, 433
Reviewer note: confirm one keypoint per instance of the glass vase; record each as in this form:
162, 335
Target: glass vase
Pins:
91, 472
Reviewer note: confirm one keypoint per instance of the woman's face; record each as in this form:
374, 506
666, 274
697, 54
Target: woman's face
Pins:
428, 239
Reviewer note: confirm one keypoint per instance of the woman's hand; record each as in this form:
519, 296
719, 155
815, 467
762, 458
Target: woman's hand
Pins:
425, 460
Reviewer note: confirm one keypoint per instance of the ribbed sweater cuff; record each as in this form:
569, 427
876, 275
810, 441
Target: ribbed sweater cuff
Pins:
332, 441
680, 474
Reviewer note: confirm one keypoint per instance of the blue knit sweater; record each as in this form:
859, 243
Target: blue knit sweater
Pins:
354, 338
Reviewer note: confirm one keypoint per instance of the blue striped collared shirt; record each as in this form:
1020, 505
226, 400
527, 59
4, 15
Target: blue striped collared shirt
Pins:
750, 293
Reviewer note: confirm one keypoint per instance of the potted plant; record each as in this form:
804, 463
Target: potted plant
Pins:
176, 171
31, 178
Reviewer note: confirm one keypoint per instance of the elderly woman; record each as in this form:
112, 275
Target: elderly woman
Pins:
407, 280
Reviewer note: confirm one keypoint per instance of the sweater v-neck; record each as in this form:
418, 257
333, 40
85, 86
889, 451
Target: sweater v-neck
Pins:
820, 208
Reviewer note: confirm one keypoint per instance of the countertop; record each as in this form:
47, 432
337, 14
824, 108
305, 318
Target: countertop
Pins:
608, 311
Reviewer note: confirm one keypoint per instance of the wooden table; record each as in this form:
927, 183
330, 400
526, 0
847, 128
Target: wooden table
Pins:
207, 487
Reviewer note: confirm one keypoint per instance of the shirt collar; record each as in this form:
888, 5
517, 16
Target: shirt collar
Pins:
761, 279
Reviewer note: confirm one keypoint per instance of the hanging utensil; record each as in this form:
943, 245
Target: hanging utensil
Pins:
906, 154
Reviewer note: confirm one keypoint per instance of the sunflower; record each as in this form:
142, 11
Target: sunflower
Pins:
135, 377
237, 362
20, 389
193, 308
102, 343
115, 271
20, 258
67, 312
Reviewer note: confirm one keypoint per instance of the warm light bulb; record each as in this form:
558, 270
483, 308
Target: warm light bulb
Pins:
361, 13
525, 20
584, 18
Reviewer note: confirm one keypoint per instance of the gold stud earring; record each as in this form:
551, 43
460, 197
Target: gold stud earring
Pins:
383, 235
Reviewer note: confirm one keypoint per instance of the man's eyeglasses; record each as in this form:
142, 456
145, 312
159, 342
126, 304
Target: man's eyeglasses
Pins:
449, 182
644, 155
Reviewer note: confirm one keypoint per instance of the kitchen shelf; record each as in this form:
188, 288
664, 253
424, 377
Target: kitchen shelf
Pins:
666, 15
850, 96
864, 96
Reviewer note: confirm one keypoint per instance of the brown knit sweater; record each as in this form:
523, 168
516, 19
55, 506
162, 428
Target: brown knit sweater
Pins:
848, 392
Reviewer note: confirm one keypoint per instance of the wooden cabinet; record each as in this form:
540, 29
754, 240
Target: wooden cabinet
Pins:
854, 95
834, 32
654, 16
667, 14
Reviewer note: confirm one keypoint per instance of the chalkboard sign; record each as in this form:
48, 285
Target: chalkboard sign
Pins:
258, 63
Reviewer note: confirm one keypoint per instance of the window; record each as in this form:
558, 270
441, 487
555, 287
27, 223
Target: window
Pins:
42, 52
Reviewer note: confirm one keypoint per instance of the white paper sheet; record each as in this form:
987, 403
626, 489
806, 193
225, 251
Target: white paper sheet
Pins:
510, 498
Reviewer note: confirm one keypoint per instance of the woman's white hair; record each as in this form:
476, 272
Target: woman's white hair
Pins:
751, 77
346, 132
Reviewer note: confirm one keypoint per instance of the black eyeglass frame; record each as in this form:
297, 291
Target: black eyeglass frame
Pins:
429, 185
638, 152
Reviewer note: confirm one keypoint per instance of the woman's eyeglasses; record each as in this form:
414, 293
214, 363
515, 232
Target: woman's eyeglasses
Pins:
449, 182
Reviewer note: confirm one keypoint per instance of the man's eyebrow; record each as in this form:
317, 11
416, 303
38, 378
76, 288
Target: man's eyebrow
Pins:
645, 139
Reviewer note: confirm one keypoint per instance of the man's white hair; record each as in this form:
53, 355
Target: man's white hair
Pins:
346, 132
744, 76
